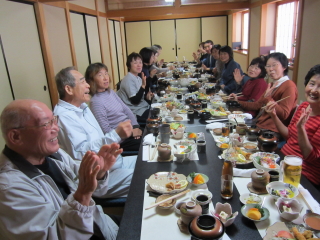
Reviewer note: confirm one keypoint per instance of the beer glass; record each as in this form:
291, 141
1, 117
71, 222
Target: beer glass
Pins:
291, 168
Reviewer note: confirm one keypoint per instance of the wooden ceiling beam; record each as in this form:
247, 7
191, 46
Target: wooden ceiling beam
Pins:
167, 17
172, 10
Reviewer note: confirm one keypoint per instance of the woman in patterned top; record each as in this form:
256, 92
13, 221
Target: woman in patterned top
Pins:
303, 132
108, 108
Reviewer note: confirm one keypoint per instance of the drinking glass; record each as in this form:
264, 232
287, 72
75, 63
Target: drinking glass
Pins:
226, 186
291, 168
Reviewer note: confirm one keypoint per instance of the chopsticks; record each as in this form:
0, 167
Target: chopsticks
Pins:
277, 101
170, 198
154, 152
237, 96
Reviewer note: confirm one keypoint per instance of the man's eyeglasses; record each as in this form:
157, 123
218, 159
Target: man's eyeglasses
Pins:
47, 125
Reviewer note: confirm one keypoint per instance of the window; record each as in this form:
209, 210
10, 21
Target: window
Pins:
287, 16
245, 30
240, 30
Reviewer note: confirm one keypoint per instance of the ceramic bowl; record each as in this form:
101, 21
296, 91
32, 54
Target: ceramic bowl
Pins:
277, 186
217, 131
180, 153
166, 205
226, 207
250, 146
205, 177
315, 224
177, 207
248, 198
168, 119
196, 193
295, 206
245, 208
222, 148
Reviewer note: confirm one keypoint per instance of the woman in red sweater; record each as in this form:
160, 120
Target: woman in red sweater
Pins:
280, 87
253, 85
303, 133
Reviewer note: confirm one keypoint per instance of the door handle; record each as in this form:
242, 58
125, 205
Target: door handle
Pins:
172, 48
179, 48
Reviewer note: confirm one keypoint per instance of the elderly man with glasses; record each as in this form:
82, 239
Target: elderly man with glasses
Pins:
44, 193
80, 132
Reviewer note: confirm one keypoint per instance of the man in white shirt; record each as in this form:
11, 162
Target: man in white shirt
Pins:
80, 131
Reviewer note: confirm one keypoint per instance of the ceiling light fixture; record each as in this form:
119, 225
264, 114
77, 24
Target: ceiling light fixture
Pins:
169, 0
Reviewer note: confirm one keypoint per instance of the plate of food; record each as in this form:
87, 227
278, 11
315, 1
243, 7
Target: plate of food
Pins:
237, 118
266, 161
203, 96
247, 198
167, 182
281, 230
240, 156
219, 114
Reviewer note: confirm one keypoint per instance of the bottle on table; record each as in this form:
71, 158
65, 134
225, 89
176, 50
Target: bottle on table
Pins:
227, 171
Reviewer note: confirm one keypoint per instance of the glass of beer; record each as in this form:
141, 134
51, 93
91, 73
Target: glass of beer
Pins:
226, 186
225, 130
291, 168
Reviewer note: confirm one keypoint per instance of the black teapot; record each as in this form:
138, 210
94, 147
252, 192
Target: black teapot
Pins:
267, 142
253, 133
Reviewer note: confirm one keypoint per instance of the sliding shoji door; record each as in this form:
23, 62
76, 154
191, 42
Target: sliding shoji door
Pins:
80, 42
114, 58
118, 41
215, 29
163, 34
105, 43
22, 52
137, 36
93, 38
188, 37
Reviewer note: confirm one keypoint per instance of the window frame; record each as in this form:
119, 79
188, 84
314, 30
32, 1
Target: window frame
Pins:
242, 28
295, 24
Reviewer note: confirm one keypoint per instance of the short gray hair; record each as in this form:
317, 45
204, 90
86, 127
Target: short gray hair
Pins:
64, 78
13, 118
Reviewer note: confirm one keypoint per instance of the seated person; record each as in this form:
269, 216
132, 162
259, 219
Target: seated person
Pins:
108, 108
254, 83
80, 132
219, 65
132, 89
208, 61
303, 132
148, 59
227, 82
281, 87
158, 64
44, 194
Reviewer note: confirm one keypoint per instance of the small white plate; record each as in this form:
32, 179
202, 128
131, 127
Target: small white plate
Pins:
248, 196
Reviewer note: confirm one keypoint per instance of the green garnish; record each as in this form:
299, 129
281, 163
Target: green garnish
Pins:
192, 175
260, 209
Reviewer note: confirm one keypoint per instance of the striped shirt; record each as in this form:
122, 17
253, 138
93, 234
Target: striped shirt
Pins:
109, 110
311, 164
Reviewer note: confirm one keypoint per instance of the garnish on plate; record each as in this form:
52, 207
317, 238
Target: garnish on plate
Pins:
286, 193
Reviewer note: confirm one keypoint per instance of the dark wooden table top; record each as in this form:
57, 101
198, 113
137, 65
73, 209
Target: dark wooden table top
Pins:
209, 164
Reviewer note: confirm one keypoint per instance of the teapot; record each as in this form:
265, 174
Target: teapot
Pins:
206, 227
267, 142
189, 211
253, 133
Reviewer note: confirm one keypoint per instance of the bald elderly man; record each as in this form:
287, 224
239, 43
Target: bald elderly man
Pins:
80, 131
44, 194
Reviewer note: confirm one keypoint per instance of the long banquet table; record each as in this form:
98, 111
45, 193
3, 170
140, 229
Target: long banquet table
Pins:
209, 164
